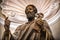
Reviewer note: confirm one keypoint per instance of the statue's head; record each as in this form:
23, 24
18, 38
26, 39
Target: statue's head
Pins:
30, 11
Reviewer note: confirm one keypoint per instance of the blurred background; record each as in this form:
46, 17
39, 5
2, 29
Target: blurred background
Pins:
15, 11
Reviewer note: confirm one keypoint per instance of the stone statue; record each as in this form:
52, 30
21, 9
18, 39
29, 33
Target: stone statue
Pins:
34, 29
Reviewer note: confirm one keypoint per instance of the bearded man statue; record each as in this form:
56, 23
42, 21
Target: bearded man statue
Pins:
34, 29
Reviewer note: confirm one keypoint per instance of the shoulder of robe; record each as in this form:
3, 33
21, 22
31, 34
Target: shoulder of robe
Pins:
46, 25
45, 21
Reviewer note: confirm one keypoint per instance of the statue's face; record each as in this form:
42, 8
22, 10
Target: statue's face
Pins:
30, 11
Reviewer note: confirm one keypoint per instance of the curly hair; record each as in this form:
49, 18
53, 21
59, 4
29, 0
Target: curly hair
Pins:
34, 9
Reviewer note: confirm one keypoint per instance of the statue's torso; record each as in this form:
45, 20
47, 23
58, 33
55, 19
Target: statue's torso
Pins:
27, 32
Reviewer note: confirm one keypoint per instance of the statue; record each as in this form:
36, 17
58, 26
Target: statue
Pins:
34, 29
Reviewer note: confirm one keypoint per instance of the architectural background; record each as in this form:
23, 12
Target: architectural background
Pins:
15, 10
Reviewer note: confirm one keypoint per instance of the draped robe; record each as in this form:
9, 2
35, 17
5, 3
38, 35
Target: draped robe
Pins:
27, 32
32, 31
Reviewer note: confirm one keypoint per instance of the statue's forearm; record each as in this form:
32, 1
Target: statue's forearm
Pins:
7, 34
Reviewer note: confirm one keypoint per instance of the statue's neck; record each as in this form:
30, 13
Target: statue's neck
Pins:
30, 20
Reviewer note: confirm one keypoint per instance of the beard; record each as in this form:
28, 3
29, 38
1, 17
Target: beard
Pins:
30, 16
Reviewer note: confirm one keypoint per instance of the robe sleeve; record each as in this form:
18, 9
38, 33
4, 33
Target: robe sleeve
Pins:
46, 25
49, 33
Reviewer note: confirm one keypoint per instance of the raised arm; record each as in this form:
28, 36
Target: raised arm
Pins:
7, 34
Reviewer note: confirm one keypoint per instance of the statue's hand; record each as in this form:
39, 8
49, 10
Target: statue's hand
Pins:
7, 24
39, 21
38, 24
